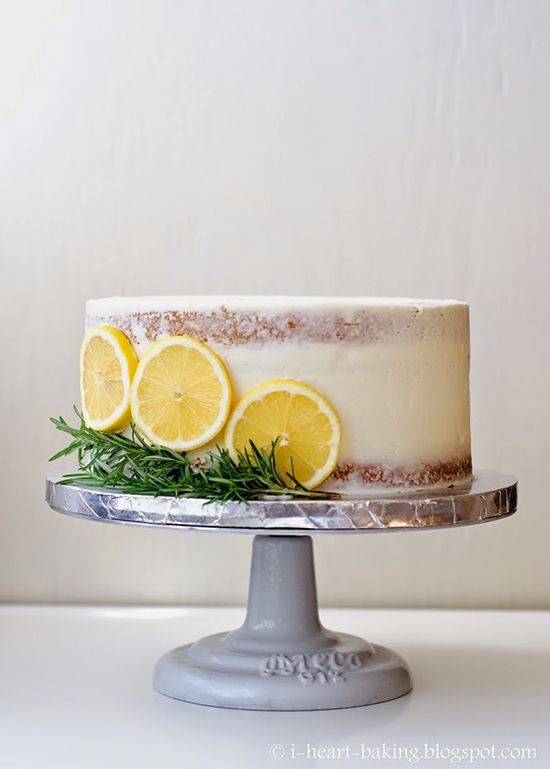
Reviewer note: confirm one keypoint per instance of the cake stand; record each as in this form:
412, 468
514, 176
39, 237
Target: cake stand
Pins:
282, 658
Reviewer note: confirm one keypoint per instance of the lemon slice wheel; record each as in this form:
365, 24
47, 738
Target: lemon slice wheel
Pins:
181, 394
107, 365
306, 425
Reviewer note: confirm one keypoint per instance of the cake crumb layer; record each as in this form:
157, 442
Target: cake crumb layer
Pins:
426, 474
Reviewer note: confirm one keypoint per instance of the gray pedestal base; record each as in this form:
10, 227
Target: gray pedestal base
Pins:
282, 658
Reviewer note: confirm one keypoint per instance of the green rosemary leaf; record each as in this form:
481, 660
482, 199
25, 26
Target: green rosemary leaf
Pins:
130, 465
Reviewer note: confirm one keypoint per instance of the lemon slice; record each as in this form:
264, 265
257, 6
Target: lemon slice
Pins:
181, 394
107, 365
303, 420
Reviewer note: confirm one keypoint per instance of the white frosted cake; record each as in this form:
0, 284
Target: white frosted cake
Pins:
395, 370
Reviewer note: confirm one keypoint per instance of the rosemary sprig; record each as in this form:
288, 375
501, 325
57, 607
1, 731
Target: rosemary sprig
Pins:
130, 465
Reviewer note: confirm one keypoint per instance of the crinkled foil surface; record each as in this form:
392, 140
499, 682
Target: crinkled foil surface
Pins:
489, 496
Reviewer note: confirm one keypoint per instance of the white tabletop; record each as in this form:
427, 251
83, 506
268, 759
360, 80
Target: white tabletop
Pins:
75, 692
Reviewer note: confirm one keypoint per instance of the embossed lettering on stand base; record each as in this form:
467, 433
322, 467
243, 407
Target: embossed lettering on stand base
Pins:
322, 667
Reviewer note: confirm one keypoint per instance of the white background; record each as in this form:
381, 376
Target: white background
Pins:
296, 146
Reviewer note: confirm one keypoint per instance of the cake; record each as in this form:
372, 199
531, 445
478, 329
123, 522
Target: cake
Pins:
395, 370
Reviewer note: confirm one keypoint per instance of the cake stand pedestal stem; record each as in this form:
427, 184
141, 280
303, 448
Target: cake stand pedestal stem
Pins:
282, 610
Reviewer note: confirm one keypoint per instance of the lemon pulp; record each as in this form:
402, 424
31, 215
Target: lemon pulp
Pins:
306, 426
107, 365
181, 394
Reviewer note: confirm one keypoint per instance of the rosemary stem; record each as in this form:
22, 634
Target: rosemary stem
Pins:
129, 464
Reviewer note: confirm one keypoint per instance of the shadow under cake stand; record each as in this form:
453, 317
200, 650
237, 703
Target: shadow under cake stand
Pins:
282, 658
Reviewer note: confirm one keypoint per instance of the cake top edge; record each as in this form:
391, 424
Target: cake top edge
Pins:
124, 304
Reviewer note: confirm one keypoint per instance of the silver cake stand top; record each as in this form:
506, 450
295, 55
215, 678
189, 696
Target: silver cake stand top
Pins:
489, 496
